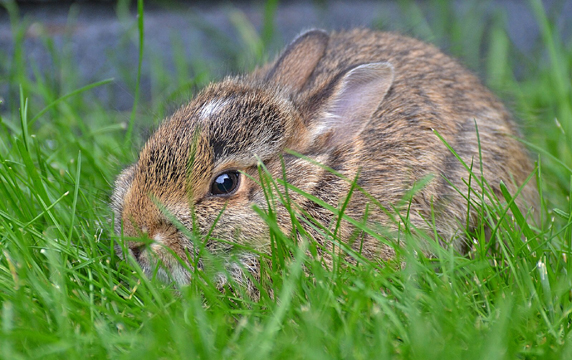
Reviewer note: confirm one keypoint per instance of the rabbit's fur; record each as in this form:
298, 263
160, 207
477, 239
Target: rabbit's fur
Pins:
357, 101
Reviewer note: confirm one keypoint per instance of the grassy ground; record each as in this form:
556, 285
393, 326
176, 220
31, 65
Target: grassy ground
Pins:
64, 294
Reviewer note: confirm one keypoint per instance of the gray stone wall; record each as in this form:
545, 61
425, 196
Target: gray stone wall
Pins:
102, 39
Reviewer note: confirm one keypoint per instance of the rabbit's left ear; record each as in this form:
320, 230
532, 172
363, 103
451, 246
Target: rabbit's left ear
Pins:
356, 97
294, 66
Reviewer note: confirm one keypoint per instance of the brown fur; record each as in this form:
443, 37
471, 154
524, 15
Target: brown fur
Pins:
305, 101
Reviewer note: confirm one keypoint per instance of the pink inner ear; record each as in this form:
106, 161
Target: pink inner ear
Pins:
351, 107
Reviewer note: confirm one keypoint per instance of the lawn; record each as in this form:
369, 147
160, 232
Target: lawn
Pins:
64, 293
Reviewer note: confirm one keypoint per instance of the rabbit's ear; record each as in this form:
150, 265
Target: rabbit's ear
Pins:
299, 59
354, 100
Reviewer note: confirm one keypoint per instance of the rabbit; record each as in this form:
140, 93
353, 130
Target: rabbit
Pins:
368, 105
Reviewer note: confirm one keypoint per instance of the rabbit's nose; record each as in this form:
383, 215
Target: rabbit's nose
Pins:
136, 249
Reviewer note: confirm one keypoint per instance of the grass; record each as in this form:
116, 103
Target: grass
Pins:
64, 294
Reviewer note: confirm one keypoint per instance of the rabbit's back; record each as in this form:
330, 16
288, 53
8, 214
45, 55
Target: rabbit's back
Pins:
431, 94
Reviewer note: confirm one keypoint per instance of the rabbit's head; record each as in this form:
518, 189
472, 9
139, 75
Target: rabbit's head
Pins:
199, 170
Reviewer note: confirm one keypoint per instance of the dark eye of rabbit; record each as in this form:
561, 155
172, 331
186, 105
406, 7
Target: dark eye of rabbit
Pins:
226, 183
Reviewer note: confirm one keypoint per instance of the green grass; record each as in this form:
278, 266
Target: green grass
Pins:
64, 294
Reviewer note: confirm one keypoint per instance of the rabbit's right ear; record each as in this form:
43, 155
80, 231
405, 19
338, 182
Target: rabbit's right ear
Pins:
356, 97
299, 59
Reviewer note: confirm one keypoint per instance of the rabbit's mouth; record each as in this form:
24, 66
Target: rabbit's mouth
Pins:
166, 263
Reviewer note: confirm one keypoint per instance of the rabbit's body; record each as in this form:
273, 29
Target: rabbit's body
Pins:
358, 102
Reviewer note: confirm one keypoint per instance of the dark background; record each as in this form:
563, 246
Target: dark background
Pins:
101, 37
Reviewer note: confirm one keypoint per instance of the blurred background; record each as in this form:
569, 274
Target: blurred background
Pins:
187, 44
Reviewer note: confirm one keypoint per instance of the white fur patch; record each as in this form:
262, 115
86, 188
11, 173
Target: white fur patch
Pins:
158, 238
180, 275
212, 108
157, 245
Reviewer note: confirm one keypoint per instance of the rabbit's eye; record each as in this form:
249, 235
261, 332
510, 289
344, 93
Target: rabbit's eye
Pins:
226, 183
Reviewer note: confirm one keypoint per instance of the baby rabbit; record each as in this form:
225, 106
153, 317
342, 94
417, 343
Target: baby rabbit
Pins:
361, 102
